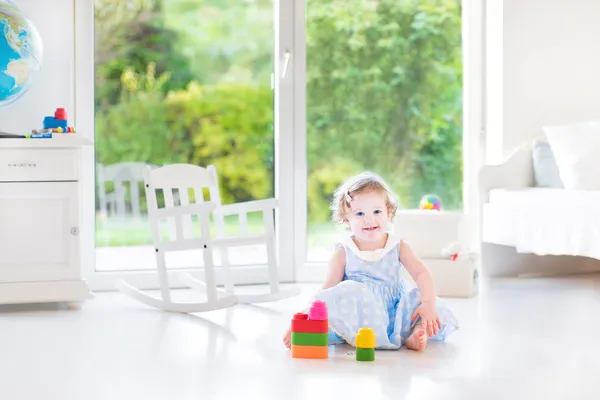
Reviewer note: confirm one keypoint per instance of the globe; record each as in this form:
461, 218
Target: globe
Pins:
21, 53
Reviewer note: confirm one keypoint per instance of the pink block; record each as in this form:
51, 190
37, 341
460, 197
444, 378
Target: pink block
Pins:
318, 311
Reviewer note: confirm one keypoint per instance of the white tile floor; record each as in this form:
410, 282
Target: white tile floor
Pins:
520, 339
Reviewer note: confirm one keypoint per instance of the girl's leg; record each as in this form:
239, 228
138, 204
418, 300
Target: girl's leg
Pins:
417, 339
404, 327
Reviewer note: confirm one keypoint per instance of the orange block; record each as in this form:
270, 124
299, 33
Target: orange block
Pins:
309, 351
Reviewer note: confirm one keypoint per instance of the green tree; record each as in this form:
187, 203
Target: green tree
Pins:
227, 125
225, 40
130, 35
137, 128
384, 88
231, 127
384, 92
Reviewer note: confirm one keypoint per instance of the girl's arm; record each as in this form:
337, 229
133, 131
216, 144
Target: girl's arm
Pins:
419, 272
337, 265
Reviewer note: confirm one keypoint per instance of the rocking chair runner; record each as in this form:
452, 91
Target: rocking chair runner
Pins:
184, 177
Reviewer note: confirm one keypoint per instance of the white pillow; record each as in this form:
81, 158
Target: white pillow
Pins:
576, 149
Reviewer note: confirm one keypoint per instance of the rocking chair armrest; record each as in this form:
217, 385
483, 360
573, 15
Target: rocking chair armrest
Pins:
247, 206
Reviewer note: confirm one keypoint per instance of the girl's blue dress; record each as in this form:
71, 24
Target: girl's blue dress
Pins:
373, 294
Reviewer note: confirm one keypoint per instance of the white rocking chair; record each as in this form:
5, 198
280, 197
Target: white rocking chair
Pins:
184, 177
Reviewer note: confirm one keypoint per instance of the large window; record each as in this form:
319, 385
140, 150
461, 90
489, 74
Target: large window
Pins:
179, 81
192, 81
384, 93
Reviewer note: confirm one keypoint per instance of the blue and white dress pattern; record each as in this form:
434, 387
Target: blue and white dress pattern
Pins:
373, 294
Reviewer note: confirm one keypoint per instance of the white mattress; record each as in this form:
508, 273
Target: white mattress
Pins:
544, 221
546, 198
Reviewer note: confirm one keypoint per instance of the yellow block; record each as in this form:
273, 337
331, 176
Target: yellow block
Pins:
365, 339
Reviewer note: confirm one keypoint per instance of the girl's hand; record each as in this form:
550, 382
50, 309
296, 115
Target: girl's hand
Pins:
429, 318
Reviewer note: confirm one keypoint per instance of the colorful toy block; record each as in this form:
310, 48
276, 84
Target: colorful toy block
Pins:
319, 352
365, 339
318, 311
365, 345
309, 339
53, 123
58, 122
60, 114
365, 354
310, 332
302, 324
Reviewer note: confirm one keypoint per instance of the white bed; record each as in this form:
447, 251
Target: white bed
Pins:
544, 221
521, 220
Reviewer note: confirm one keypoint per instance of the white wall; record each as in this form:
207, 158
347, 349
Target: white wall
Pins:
549, 72
67, 80
55, 85
494, 101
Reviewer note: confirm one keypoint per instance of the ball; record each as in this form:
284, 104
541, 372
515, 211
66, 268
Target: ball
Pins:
430, 202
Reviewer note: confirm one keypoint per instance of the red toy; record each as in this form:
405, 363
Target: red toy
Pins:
58, 123
302, 324
60, 114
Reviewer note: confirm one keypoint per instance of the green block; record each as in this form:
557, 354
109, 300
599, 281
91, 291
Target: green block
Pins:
309, 339
365, 354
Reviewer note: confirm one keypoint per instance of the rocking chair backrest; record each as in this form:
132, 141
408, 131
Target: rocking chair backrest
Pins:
183, 178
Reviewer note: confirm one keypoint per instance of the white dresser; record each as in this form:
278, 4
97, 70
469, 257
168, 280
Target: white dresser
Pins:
40, 221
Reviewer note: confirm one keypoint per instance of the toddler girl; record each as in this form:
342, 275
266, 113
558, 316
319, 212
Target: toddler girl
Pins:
364, 287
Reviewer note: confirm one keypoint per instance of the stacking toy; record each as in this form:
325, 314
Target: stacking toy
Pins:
310, 332
365, 345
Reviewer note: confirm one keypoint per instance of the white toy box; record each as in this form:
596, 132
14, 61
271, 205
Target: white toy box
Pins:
437, 237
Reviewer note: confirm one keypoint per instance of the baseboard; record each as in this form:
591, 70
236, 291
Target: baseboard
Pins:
504, 261
44, 292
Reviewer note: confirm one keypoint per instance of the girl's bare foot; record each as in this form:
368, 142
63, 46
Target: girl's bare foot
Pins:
287, 338
417, 339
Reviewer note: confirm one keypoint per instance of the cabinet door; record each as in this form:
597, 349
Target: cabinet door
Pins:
39, 231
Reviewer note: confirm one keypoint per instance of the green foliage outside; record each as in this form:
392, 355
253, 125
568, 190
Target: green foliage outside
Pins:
131, 232
384, 94
189, 81
230, 126
227, 125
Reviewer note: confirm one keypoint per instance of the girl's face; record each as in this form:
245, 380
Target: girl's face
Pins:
368, 216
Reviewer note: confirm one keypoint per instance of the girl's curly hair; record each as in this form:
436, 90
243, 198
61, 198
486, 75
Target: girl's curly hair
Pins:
361, 183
